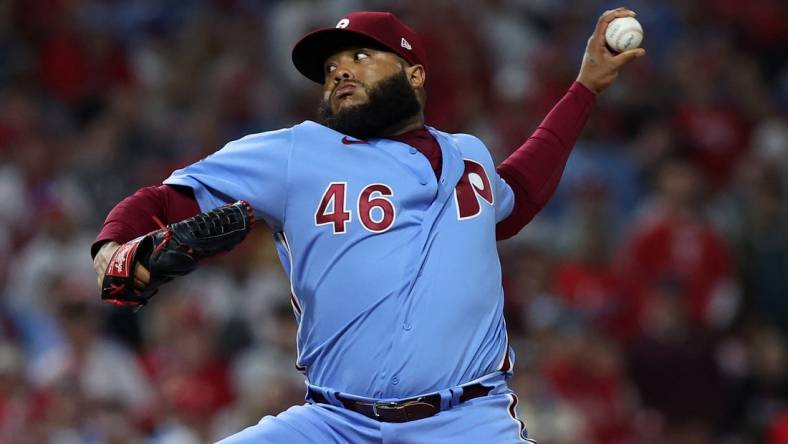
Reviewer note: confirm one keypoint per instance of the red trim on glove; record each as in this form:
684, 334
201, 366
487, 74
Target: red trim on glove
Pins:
118, 265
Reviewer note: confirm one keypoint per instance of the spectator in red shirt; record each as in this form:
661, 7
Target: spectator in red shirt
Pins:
674, 242
585, 280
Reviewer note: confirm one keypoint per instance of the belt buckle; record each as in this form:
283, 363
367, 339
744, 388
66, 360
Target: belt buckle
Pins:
386, 405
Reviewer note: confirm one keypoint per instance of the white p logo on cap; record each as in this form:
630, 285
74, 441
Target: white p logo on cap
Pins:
343, 23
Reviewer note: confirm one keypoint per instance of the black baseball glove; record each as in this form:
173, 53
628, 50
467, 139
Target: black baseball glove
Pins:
172, 251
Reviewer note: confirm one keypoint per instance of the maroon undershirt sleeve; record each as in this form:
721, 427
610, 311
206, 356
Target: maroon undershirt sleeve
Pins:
534, 169
133, 216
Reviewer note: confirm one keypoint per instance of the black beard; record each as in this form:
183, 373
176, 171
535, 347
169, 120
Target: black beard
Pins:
391, 102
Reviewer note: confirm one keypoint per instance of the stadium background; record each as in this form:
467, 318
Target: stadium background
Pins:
647, 304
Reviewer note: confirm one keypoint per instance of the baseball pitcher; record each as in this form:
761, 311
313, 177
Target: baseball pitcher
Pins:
387, 230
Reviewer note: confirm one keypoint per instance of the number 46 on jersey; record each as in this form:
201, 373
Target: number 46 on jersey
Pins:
377, 213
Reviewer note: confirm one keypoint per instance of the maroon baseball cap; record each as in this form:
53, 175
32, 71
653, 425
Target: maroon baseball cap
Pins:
376, 29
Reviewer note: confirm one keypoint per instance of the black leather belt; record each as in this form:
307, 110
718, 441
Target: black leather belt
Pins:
404, 410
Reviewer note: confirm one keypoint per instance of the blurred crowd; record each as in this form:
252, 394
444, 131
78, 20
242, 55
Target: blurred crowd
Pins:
648, 303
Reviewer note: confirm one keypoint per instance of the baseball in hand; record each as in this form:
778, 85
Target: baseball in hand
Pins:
623, 33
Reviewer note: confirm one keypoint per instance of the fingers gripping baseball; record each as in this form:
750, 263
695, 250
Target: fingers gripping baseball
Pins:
600, 66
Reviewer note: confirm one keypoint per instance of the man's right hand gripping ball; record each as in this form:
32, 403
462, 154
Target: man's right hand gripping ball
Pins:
600, 66
130, 274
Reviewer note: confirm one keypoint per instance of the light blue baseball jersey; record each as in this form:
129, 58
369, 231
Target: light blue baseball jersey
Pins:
395, 275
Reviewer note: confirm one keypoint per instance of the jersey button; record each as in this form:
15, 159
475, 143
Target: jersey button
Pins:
406, 326
395, 380
414, 151
423, 181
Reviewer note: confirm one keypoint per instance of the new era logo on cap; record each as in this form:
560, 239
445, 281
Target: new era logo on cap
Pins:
404, 43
